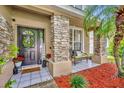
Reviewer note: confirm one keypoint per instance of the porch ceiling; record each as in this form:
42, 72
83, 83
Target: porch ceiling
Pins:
49, 10
33, 9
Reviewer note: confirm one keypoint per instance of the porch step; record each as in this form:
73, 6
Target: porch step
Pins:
30, 68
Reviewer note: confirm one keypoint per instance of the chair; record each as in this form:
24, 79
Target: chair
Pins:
79, 56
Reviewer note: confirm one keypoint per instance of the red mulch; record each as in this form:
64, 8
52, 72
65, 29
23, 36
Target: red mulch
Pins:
103, 76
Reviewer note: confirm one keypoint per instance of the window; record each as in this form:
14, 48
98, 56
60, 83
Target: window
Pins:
76, 39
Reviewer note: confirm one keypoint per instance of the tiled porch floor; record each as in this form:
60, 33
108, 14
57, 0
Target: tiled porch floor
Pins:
28, 79
83, 65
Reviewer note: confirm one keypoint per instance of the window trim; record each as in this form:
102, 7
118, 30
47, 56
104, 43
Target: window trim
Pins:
81, 37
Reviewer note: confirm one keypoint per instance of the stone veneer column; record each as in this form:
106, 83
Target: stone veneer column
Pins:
60, 38
60, 45
99, 50
6, 38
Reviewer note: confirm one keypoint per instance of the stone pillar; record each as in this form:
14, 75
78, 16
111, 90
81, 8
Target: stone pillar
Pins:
99, 50
6, 38
60, 45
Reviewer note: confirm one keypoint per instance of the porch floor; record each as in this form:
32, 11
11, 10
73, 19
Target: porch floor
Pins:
82, 65
43, 78
28, 79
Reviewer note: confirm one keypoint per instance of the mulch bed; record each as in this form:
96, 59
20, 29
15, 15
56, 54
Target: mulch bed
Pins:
103, 76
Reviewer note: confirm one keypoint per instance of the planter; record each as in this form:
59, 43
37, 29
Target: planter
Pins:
18, 64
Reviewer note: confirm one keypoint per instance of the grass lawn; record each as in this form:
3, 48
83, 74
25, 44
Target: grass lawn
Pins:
103, 76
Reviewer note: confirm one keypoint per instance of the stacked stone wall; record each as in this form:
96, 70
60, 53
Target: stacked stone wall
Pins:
60, 38
6, 35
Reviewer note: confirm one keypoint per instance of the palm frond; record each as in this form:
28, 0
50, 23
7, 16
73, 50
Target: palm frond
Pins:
101, 19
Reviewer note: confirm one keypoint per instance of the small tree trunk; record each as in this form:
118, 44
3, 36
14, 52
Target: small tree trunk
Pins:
120, 72
117, 60
119, 34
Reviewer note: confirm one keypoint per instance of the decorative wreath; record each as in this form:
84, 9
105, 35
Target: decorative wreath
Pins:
27, 43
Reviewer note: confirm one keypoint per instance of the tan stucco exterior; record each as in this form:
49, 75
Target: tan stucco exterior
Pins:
7, 72
6, 11
58, 69
100, 59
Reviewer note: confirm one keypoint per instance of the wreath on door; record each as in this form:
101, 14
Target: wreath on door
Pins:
28, 41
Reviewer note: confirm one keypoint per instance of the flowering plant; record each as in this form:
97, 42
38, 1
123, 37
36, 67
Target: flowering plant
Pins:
48, 56
20, 58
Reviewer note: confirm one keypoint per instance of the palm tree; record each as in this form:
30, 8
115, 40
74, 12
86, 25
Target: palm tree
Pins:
119, 35
106, 21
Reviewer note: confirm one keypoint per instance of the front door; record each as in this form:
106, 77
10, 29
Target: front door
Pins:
28, 44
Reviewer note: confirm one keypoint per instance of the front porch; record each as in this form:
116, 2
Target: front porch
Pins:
43, 78
28, 79
39, 35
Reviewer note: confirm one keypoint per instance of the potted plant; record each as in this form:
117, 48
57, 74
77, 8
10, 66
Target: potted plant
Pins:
9, 83
48, 56
18, 61
12, 51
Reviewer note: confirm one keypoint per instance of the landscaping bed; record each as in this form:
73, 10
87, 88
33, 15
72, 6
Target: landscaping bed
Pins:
103, 76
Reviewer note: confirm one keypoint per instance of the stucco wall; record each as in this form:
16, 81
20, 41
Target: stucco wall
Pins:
6, 11
28, 19
60, 68
7, 72
76, 22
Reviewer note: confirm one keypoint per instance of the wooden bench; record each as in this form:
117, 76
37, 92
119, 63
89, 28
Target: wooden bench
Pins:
30, 68
79, 56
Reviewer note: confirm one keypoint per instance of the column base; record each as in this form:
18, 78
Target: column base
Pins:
7, 72
99, 59
60, 68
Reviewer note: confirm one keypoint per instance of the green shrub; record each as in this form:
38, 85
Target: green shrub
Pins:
2, 62
78, 82
111, 59
110, 49
9, 83
13, 50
